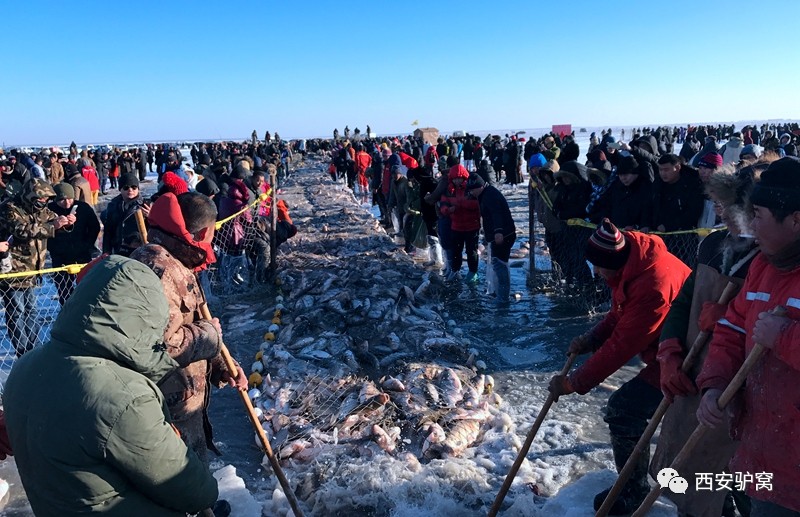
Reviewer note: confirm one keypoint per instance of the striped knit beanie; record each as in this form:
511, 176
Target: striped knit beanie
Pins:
608, 247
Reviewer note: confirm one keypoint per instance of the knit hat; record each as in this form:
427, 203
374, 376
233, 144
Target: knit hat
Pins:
627, 165
458, 171
537, 160
171, 182
128, 180
779, 187
64, 191
474, 181
608, 248
710, 161
207, 187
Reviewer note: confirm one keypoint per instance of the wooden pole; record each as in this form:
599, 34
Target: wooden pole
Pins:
498, 501
644, 441
531, 224
251, 412
700, 431
273, 214
140, 225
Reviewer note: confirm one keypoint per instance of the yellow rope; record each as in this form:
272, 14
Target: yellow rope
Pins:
704, 232
261, 198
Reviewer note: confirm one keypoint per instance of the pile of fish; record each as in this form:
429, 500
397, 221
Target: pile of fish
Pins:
360, 364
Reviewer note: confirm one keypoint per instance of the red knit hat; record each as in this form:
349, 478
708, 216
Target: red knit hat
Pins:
171, 182
710, 161
608, 248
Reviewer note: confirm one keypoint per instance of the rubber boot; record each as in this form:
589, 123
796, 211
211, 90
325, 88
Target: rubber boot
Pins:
222, 508
503, 279
637, 487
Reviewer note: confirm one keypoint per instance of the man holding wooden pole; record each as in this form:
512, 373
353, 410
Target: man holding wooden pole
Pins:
766, 419
181, 230
644, 279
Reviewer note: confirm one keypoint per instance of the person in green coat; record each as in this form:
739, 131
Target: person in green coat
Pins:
88, 425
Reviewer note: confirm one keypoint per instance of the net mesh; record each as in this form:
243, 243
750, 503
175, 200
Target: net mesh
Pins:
242, 244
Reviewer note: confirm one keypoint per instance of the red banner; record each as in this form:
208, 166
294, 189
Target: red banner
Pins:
562, 129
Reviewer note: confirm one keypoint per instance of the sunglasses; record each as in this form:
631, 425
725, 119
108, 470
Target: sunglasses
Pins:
130, 187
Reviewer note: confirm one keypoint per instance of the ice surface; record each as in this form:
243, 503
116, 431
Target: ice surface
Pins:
233, 490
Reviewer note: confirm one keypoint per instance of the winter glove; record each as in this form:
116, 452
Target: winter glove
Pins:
560, 385
710, 314
674, 383
582, 344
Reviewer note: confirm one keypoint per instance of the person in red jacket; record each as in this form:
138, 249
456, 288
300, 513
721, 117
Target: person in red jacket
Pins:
766, 419
363, 163
465, 222
644, 279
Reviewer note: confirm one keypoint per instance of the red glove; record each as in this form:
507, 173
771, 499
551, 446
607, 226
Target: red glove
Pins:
710, 314
674, 383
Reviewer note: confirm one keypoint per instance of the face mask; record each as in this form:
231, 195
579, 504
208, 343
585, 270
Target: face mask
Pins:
39, 204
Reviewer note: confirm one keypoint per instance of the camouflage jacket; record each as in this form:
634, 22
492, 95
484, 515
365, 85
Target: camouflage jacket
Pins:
30, 231
193, 342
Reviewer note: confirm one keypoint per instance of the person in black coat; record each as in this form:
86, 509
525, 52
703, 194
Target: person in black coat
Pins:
628, 200
498, 229
74, 243
677, 205
120, 231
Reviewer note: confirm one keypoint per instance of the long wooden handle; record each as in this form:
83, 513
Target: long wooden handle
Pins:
251, 412
644, 441
498, 501
736, 383
140, 224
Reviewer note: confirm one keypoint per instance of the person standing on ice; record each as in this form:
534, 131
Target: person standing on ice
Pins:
181, 230
103, 444
644, 279
498, 229
765, 420
723, 257
465, 223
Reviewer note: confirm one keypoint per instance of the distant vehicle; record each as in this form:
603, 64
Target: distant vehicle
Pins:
583, 130
458, 133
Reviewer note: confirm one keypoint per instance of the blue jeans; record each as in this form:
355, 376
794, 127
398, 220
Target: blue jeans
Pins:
21, 318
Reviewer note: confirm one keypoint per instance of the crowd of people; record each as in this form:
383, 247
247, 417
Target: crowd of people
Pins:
142, 331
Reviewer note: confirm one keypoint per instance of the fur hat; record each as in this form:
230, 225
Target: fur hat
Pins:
608, 248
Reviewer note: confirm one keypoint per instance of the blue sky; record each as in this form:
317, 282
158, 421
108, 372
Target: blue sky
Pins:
116, 71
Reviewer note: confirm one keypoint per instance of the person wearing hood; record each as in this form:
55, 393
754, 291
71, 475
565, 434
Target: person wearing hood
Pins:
628, 200
120, 230
105, 444
498, 229
73, 243
235, 200
724, 256
485, 171
465, 222
83, 190
750, 153
644, 149
179, 247
732, 149
28, 223
644, 279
